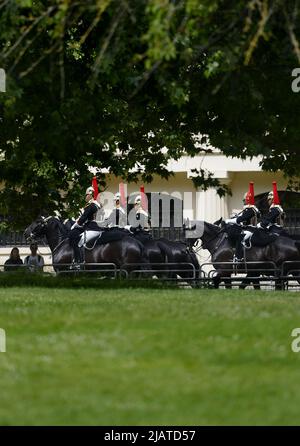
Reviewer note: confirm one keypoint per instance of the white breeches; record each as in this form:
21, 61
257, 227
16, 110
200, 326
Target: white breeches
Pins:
247, 235
87, 236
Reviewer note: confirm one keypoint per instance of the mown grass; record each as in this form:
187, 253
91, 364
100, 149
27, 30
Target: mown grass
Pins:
148, 356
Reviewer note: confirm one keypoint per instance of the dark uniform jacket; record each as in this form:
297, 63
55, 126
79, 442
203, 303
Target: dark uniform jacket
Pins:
274, 214
87, 219
116, 218
247, 215
142, 219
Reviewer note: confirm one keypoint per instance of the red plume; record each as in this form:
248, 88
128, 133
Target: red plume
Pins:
95, 187
251, 193
122, 194
144, 198
249, 197
275, 193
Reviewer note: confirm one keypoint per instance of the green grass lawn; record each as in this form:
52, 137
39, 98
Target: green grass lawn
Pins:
142, 356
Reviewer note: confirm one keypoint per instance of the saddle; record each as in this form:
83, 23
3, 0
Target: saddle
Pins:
260, 238
142, 235
89, 239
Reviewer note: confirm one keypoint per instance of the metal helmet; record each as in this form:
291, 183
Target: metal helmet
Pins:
245, 197
117, 197
249, 199
89, 191
276, 200
270, 195
138, 199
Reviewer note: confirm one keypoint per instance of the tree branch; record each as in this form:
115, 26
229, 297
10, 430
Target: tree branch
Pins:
106, 43
4, 3
22, 37
38, 61
150, 72
292, 35
95, 22
265, 16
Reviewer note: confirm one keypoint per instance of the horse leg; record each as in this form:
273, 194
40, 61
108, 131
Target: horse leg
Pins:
140, 262
247, 281
279, 283
296, 276
217, 280
227, 281
256, 282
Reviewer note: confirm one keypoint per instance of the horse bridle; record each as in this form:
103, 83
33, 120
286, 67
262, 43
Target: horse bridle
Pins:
43, 224
204, 245
45, 220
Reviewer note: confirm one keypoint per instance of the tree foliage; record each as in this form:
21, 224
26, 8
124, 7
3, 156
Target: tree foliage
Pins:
109, 83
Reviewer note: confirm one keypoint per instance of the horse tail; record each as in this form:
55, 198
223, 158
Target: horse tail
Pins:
180, 256
143, 251
166, 250
145, 263
194, 260
297, 243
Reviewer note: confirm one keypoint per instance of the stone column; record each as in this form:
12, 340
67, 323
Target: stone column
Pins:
209, 206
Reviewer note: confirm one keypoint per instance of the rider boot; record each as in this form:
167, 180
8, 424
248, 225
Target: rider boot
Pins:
78, 256
238, 257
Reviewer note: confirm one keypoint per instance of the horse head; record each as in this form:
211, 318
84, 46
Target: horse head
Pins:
51, 227
220, 222
37, 229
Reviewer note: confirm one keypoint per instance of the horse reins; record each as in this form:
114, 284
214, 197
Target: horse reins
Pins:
222, 230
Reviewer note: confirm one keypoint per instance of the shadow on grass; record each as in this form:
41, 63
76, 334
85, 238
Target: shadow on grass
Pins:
82, 280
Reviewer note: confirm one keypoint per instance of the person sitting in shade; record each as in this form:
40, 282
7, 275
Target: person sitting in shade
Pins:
14, 261
34, 261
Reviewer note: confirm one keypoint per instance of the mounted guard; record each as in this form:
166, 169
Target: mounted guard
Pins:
141, 215
248, 218
274, 220
118, 216
139, 220
85, 228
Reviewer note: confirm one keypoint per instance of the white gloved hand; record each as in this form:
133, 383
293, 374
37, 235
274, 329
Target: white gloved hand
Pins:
127, 227
75, 225
230, 220
259, 226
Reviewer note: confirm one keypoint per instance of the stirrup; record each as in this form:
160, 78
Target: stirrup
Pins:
247, 246
75, 266
237, 260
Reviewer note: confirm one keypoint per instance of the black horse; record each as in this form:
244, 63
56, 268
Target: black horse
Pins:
216, 241
169, 258
125, 251
175, 258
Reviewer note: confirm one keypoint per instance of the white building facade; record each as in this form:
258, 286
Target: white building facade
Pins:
207, 205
